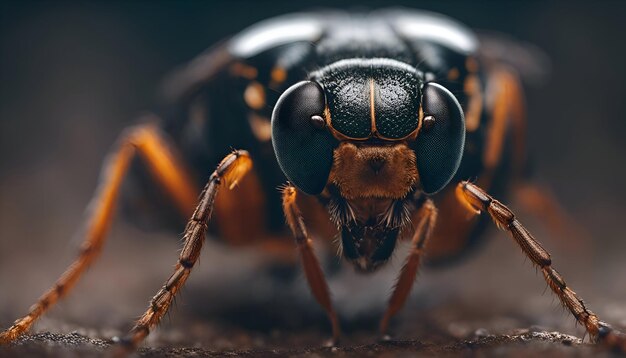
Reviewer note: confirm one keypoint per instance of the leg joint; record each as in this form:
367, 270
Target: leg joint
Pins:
186, 263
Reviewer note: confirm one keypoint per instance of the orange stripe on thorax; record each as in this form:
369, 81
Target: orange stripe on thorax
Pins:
372, 108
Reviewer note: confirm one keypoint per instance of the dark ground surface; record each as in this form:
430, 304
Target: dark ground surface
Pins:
73, 75
517, 344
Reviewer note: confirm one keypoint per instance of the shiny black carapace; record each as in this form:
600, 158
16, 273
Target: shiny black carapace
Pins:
374, 120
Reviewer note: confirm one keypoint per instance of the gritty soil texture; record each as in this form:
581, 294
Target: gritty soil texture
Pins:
521, 344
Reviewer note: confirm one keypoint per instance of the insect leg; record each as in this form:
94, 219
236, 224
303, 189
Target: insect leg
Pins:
476, 200
230, 171
164, 166
425, 227
147, 142
312, 269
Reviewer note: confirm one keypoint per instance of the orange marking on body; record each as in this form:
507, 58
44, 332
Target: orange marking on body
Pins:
518, 122
254, 95
471, 65
497, 127
278, 75
507, 108
453, 74
372, 107
242, 70
261, 127
474, 109
327, 117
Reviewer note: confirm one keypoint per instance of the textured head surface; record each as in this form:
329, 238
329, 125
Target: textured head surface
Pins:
371, 97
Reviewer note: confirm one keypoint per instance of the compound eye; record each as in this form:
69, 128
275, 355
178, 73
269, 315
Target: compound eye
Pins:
439, 144
303, 147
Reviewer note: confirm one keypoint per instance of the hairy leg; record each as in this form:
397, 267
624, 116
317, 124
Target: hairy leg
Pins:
423, 231
312, 269
229, 171
146, 141
476, 200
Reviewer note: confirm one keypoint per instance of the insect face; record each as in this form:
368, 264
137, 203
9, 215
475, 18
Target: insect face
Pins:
371, 133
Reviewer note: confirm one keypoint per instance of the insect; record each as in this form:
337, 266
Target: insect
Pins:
376, 121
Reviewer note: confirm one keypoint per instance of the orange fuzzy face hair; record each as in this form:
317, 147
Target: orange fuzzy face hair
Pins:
373, 171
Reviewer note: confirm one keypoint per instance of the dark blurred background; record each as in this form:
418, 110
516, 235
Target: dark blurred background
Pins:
74, 74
